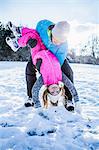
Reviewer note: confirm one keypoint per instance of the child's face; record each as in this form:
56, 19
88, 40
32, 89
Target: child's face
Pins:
54, 90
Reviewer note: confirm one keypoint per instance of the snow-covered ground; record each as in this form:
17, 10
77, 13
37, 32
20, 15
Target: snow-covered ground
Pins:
52, 129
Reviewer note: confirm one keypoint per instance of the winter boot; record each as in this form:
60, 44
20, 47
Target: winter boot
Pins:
16, 30
13, 43
29, 102
70, 105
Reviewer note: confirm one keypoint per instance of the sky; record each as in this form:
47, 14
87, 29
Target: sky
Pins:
30, 11
83, 15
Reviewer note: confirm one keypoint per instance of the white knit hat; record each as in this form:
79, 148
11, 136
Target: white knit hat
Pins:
61, 30
60, 84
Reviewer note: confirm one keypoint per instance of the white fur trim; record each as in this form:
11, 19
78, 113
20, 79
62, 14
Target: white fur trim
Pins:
54, 99
60, 98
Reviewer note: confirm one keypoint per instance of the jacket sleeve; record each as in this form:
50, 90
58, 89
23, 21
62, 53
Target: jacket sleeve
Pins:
26, 35
70, 86
32, 42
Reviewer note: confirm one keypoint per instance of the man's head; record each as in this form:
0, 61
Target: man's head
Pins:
60, 32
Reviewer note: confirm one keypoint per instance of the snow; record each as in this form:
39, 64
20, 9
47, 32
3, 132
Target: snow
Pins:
48, 129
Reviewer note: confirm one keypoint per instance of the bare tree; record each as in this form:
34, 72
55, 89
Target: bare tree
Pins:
91, 48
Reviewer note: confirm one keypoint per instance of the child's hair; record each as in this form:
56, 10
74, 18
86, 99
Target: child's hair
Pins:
45, 98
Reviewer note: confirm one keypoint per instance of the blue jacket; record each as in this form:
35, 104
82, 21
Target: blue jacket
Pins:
60, 51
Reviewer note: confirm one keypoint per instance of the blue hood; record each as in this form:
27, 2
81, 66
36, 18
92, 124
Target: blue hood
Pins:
42, 29
43, 24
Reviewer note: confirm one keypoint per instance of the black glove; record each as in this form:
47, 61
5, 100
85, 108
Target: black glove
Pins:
32, 42
38, 64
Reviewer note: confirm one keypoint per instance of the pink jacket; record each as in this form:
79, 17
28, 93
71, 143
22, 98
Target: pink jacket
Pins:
50, 67
26, 35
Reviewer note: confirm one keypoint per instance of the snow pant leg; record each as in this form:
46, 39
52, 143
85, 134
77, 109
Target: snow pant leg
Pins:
66, 69
68, 94
35, 92
30, 77
70, 87
30, 85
